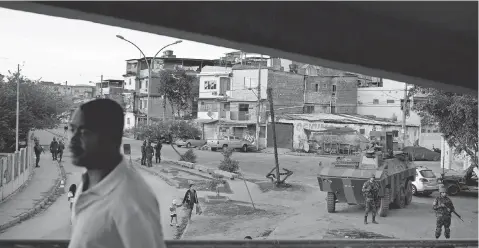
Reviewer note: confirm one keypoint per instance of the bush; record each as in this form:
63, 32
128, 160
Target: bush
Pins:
189, 156
228, 164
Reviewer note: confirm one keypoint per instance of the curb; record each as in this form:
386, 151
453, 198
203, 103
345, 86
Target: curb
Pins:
203, 168
154, 173
46, 201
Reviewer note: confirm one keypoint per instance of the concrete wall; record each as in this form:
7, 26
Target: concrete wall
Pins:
319, 91
248, 78
391, 90
288, 89
300, 137
129, 120
130, 83
430, 140
15, 170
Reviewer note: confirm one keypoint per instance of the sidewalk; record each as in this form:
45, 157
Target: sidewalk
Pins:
33, 194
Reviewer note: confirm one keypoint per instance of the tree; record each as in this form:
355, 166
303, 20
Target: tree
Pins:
39, 108
455, 114
170, 130
177, 87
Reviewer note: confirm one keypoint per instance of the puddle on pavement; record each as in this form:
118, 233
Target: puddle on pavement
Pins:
354, 234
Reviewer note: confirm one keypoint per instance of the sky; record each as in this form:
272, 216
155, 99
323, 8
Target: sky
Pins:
58, 49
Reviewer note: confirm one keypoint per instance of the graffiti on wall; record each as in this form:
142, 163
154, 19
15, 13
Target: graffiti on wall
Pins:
249, 135
300, 126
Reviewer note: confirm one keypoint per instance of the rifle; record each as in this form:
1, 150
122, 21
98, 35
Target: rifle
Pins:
458, 216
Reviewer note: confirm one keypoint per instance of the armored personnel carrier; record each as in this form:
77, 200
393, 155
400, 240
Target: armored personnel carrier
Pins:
343, 180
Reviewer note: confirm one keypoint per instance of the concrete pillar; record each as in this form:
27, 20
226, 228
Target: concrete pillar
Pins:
446, 154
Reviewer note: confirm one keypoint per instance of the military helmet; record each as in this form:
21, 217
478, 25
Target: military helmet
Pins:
442, 189
373, 175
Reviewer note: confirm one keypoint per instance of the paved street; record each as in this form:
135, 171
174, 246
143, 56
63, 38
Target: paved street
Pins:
253, 164
54, 223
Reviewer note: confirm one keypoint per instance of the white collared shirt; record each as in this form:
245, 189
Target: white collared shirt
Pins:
120, 211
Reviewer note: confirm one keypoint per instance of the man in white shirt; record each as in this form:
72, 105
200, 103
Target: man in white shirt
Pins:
114, 207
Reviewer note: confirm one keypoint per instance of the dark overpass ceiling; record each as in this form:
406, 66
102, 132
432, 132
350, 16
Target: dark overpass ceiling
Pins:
426, 43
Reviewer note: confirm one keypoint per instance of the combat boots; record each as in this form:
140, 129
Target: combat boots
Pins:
374, 220
365, 220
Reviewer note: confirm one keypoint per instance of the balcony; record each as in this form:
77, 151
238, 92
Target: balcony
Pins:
338, 243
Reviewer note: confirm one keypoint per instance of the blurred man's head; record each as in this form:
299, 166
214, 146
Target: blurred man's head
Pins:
248, 237
97, 130
54, 139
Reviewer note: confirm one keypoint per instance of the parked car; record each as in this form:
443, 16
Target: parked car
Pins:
425, 183
196, 142
230, 142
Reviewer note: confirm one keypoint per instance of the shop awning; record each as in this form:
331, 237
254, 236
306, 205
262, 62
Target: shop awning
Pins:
205, 121
333, 130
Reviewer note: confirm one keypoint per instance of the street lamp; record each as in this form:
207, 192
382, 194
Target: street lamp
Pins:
149, 73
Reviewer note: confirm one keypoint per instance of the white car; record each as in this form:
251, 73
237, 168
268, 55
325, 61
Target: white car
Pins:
425, 183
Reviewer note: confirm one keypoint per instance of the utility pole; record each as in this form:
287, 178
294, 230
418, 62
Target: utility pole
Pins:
271, 108
18, 107
258, 107
404, 115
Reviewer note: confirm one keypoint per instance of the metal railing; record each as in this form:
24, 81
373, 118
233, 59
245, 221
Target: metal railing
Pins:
342, 243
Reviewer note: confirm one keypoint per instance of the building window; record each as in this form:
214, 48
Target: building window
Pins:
423, 130
333, 109
334, 88
129, 81
128, 121
362, 131
375, 101
390, 101
308, 109
210, 85
395, 133
243, 114
316, 87
325, 85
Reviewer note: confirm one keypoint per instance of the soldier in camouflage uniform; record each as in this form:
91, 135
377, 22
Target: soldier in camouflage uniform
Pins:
443, 207
370, 191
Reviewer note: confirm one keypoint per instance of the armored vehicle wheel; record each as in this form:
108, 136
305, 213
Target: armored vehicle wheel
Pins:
400, 200
453, 190
384, 204
331, 202
408, 192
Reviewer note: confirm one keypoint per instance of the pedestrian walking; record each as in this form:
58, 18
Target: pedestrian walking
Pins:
443, 207
190, 199
370, 190
158, 147
173, 214
65, 130
61, 147
54, 148
149, 152
71, 194
38, 151
143, 153
111, 190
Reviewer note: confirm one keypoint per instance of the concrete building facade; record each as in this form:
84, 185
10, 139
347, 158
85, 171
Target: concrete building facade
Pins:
302, 126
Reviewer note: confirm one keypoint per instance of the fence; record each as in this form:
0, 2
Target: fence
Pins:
349, 243
15, 170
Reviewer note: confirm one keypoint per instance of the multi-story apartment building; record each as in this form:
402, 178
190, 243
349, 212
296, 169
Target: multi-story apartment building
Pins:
228, 100
112, 89
77, 92
137, 84
385, 101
